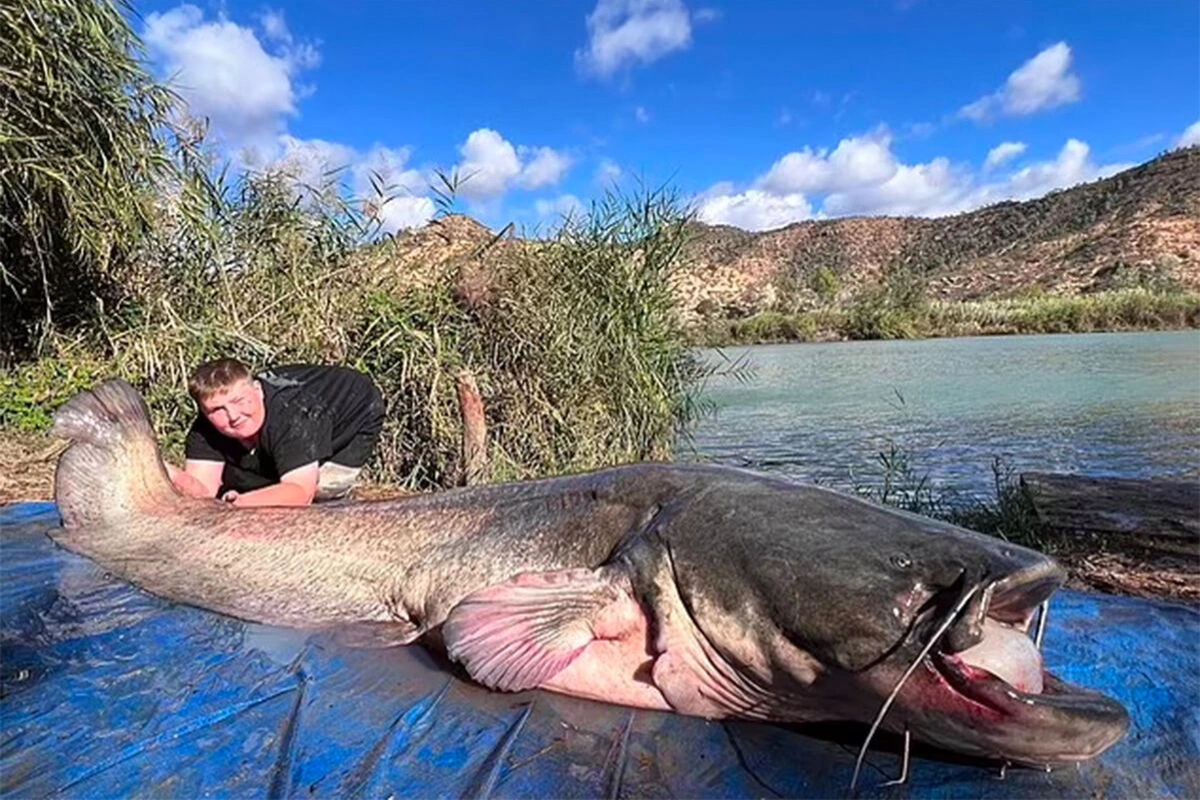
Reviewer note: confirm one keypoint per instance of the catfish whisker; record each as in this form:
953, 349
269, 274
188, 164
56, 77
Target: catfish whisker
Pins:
903, 779
1044, 611
945, 626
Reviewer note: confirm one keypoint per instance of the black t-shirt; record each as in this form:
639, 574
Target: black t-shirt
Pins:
313, 413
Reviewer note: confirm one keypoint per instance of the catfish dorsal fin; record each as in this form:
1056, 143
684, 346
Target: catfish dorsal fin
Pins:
517, 634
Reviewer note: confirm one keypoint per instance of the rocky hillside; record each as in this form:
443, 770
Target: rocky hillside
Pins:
1141, 224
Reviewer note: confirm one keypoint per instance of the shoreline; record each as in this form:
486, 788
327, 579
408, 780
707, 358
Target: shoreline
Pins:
838, 339
1124, 311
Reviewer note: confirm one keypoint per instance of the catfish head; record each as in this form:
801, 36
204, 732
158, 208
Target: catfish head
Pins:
817, 605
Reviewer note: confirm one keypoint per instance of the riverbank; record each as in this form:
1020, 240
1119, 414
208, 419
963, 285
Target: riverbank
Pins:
1125, 310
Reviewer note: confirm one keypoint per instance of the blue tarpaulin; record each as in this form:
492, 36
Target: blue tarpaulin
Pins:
106, 691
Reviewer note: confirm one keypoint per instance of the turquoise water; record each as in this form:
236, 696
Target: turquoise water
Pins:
1102, 404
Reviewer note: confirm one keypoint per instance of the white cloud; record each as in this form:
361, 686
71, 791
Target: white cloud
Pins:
641, 114
753, 210
624, 33
921, 130
608, 173
224, 73
1043, 82
1073, 166
547, 167
856, 161
379, 176
1141, 143
1002, 154
401, 213
1190, 136
931, 189
1040, 84
275, 27
871, 180
704, 15
491, 165
567, 205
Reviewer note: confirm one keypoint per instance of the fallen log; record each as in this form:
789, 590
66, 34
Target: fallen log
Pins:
1168, 509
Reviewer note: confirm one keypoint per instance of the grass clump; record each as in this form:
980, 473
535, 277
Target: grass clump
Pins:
767, 327
572, 339
1009, 513
894, 480
1134, 308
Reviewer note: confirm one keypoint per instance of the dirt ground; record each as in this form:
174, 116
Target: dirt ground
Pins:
1113, 565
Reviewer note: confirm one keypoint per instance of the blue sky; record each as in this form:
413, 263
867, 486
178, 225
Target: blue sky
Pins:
759, 112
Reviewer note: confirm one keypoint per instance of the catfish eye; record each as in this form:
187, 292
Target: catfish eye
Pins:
901, 561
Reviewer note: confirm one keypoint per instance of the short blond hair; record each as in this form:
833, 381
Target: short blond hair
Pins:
216, 375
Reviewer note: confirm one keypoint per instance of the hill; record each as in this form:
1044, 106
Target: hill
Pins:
1141, 225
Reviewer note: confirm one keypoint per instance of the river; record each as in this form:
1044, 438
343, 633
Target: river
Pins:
1115, 404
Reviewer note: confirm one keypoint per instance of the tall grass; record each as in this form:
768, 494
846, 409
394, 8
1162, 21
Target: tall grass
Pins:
84, 135
1008, 513
1122, 309
572, 339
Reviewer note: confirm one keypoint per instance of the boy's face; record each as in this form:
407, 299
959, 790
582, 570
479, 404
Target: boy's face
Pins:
237, 411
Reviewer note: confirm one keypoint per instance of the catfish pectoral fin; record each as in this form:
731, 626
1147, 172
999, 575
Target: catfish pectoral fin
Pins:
518, 634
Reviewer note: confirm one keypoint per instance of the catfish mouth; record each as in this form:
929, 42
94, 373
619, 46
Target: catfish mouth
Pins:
988, 668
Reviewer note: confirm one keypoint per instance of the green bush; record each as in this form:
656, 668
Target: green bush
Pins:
824, 284
30, 393
84, 137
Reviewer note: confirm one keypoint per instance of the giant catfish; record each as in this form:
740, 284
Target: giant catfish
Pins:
701, 590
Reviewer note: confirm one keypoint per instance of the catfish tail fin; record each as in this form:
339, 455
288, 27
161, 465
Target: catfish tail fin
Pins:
113, 467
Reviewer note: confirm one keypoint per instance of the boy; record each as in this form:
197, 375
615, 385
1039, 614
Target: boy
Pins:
291, 436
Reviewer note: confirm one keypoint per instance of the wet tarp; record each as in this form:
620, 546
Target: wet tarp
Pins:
106, 691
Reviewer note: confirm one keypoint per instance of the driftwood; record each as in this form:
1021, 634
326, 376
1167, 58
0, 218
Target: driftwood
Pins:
1167, 509
474, 439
